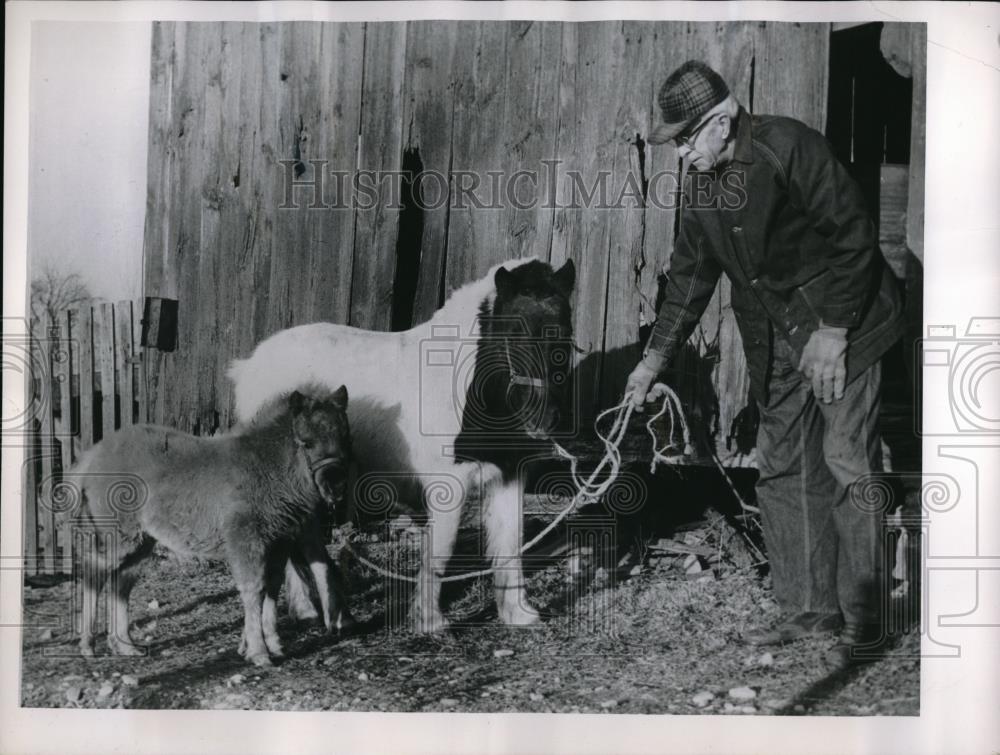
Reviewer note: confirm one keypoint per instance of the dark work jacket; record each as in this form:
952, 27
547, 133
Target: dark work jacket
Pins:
787, 225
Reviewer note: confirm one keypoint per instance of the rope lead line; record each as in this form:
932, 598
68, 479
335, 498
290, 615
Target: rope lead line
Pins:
588, 490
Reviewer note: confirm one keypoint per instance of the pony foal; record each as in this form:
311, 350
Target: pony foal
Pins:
255, 497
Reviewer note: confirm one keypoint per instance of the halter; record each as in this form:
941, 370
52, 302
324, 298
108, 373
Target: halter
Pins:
515, 377
317, 468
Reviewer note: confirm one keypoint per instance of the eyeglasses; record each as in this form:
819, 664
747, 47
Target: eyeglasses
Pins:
688, 139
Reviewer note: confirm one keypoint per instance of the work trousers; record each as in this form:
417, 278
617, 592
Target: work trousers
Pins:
825, 546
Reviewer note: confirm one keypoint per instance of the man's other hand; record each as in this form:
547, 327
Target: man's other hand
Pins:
824, 363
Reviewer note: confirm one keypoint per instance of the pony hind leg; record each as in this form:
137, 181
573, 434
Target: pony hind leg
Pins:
91, 574
313, 563
436, 550
273, 577
121, 581
503, 517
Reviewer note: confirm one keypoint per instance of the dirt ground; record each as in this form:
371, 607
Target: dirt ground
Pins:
656, 630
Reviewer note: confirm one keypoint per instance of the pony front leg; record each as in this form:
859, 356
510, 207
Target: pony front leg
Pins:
436, 550
502, 513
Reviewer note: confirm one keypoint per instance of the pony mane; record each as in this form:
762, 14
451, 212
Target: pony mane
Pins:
467, 302
275, 409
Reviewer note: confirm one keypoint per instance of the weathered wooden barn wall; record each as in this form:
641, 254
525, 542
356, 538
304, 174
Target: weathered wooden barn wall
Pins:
231, 101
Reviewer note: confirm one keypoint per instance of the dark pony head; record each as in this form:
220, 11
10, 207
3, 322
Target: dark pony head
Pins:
323, 438
524, 357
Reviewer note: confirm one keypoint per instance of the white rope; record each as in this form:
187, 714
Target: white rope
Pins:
589, 490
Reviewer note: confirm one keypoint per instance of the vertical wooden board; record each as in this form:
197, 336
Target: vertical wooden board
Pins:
792, 70
29, 477
528, 135
124, 361
626, 219
85, 320
918, 141
104, 364
428, 104
259, 96
379, 155
141, 395
592, 62
160, 159
477, 149
62, 373
45, 521
332, 114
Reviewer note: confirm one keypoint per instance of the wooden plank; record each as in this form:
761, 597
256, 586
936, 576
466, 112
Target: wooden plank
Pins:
125, 362
104, 364
45, 429
380, 152
429, 102
62, 374
918, 141
477, 149
791, 72
626, 222
892, 200
30, 480
85, 335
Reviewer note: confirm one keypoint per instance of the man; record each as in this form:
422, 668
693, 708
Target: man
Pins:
769, 205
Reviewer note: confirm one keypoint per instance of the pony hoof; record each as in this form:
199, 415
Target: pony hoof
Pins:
262, 660
519, 615
433, 624
345, 623
126, 648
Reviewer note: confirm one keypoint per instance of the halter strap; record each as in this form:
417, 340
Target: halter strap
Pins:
515, 377
317, 468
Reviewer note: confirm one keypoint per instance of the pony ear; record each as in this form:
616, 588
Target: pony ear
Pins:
339, 398
297, 402
565, 277
503, 280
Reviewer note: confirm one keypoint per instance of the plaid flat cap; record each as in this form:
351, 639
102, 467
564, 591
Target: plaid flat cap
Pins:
687, 94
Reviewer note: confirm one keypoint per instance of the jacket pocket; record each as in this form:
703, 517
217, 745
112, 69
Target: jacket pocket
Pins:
812, 290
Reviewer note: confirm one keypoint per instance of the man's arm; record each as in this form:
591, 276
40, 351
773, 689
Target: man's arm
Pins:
690, 284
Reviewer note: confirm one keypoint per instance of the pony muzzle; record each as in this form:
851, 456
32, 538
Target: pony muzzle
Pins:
322, 471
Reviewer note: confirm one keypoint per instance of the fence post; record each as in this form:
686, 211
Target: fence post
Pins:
125, 361
86, 335
104, 360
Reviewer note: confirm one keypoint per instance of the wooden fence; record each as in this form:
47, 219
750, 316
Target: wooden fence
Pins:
85, 382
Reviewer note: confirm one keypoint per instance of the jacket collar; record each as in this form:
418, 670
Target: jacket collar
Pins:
743, 149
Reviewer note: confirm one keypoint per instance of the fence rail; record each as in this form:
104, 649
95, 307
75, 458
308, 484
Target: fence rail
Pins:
86, 381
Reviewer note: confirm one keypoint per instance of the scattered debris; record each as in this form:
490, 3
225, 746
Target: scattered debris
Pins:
534, 697
502, 653
743, 693
105, 691
236, 679
73, 694
766, 659
448, 702
702, 699
130, 681
46, 635
363, 677
153, 605
607, 704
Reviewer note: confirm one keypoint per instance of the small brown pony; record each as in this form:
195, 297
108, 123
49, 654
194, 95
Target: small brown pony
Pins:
255, 498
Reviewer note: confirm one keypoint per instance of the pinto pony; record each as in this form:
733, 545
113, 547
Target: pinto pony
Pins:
255, 497
450, 407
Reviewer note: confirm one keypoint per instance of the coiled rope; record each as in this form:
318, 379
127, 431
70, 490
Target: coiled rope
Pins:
590, 490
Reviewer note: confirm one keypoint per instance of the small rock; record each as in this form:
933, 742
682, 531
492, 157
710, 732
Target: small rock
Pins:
130, 681
46, 635
166, 652
331, 660
362, 677
765, 659
536, 697
609, 704
800, 709
106, 689
150, 627
691, 564
484, 694
702, 699
775, 704
116, 674
237, 679
635, 571
153, 605
448, 702
405, 659
742, 693
502, 653
73, 694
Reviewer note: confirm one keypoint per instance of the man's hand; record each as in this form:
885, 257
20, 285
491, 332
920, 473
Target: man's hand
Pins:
823, 362
638, 386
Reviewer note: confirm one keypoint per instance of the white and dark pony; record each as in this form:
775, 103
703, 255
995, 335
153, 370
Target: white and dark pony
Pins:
445, 410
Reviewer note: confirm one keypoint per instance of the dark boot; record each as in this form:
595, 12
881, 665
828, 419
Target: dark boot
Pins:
797, 627
858, 643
